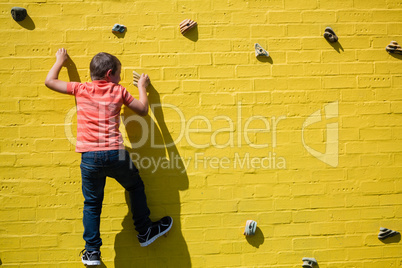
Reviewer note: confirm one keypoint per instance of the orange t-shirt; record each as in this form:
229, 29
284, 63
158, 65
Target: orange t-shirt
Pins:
98, 114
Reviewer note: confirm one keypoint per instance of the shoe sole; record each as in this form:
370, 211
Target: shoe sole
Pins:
91, 263
147, 243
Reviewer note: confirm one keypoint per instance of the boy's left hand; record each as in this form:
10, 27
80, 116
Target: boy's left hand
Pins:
61, 55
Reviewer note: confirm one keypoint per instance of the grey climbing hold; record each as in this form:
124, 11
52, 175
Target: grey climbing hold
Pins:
385, 233
19, 13
309, 262
136, 77
394, 47
186, 25
330, 35
118, 28
259, 51
251, 226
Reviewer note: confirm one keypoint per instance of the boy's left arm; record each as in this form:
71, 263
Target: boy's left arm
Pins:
52, 80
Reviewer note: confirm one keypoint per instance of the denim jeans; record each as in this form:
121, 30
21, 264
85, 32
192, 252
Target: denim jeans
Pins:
95, 166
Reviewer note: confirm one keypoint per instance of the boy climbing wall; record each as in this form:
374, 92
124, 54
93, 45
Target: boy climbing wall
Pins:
100, 142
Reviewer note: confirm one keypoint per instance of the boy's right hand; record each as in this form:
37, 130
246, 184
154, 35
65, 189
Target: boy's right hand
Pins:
61, 55
144, 81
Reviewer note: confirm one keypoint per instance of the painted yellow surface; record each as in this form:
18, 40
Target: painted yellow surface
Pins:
307, 143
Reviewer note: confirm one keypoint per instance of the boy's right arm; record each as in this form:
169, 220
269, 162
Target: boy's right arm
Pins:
52, 80
140, 106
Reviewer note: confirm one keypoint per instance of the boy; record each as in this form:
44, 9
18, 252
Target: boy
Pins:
101, 144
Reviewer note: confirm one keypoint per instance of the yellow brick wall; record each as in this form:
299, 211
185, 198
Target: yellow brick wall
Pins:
308, 143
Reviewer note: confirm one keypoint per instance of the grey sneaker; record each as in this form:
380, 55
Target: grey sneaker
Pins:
90, 257
157, 229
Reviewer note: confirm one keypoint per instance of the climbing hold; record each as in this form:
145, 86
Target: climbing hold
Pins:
187, 25
251, 226
394, 47
118, 28
330, 35
259, 51
385, 233
19, 13
309, 262
136, 77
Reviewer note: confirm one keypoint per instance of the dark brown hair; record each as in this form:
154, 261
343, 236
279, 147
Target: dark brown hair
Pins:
101, 63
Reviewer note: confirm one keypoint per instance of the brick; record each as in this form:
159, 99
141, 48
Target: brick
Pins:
303, 30
331, 5
198, 86
319, 16
355, 16
230, 58
192, 59
218, 98
158, 60
329, 202
280, 17
179, 73
314, 43
301, 83
309, 243
266, 4
15, 64
377, 81
334, 56
377, 188
379, 263
286, 69
387, 68
231, 32
374, 108
303, 57
181, 100
261, 31
291, 230
327, 228
375, 134
371, 54
169, 46
249, 18
321, 69
356, 68
292, 204
218, 18
284, 44
356, 42
371, 29
252, 70
293, 4
394, 29
340, 82
283, 217
150, 32
360, 253
218, 45
75, 8
353, 95
216, 71
235, 85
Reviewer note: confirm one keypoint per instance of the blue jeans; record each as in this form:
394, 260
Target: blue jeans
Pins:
95, 166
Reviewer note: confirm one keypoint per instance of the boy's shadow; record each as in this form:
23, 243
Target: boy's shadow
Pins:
162, 185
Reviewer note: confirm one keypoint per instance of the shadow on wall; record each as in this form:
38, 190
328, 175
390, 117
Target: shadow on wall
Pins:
392, 240
337, 46
192, 34
162, 187
72, 70
27, 23
256, 240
